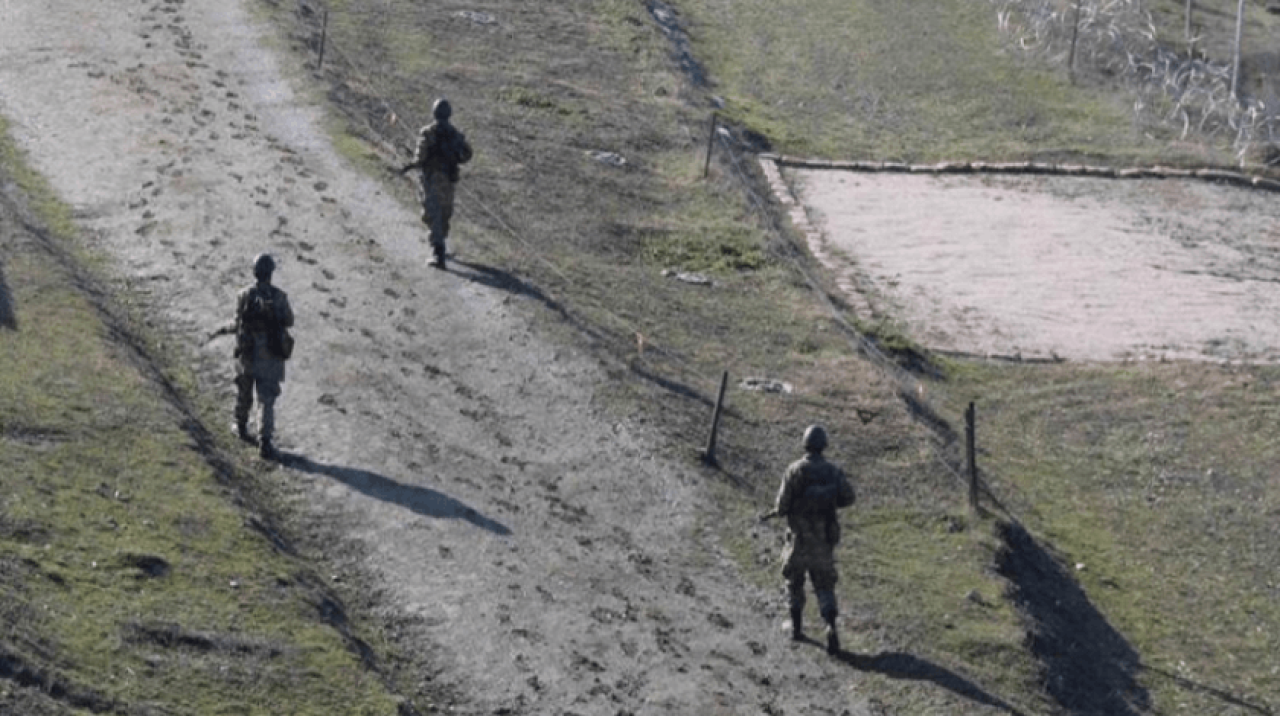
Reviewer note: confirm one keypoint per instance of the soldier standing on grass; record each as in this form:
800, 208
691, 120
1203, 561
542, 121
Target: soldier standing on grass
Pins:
441, 150
812, 490
263, 344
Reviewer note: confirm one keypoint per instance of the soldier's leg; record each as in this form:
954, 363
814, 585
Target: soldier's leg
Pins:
268, 391
435, 187
446, 207
795, 598
824, 586
244, 403
424, 198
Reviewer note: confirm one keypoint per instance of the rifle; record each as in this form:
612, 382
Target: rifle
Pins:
768, 516
225, 330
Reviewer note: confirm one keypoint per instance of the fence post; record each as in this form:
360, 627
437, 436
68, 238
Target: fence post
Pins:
324, 35
1075, 33
709, 456
1191, 50
711, 138
1235, 63
971, 458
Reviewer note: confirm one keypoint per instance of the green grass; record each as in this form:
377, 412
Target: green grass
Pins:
100, 481
898, 81
1158, 481
901, 81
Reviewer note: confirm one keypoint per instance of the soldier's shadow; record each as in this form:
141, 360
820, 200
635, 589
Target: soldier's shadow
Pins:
897, 665
422, 500
506, 281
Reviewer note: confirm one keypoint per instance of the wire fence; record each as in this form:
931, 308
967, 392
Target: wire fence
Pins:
929, 401
391, 121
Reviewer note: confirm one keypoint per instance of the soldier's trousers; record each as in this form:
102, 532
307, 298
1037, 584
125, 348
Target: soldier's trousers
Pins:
268, 390
822, 572
437, 206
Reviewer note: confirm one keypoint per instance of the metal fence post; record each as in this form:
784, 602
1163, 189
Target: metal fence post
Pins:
711, 138
971, 457
709, 456
324, 36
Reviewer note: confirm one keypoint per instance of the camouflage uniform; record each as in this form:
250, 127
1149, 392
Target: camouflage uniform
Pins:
259, 364
441, 149
811, 492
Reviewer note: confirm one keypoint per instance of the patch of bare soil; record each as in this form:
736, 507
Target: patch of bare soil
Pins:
1057, 267
535, 554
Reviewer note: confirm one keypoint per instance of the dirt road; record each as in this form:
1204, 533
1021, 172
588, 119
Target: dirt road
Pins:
527, 543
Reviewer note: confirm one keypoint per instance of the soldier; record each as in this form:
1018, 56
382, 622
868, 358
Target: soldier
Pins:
263, 344
441, 150
812, 490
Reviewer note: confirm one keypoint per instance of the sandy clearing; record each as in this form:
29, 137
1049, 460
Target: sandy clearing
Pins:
1078, 268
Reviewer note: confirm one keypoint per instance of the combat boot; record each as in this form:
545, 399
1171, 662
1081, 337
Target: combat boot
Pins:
797, 624
241, 430
437, 259
833, 638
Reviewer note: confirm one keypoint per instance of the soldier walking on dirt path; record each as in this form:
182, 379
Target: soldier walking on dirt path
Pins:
811, 492
263, 344
441, 150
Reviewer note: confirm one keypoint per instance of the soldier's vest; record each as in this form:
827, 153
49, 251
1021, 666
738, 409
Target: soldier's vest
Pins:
260, 316
820, 494
447, 150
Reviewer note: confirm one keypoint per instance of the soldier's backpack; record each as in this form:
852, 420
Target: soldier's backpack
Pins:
817, 498
260, 315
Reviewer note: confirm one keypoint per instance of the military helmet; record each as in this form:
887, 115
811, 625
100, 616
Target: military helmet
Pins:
815, 438
263, 265
442, 110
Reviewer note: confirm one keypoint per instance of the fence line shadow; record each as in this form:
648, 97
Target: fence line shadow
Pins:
422, 500
1090, 668
8, 316
897, 665
1219, 694
507, 281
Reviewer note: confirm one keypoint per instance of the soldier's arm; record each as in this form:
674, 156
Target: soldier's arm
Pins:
285, 311
786, 494
845, 496
241, 298
464, 149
